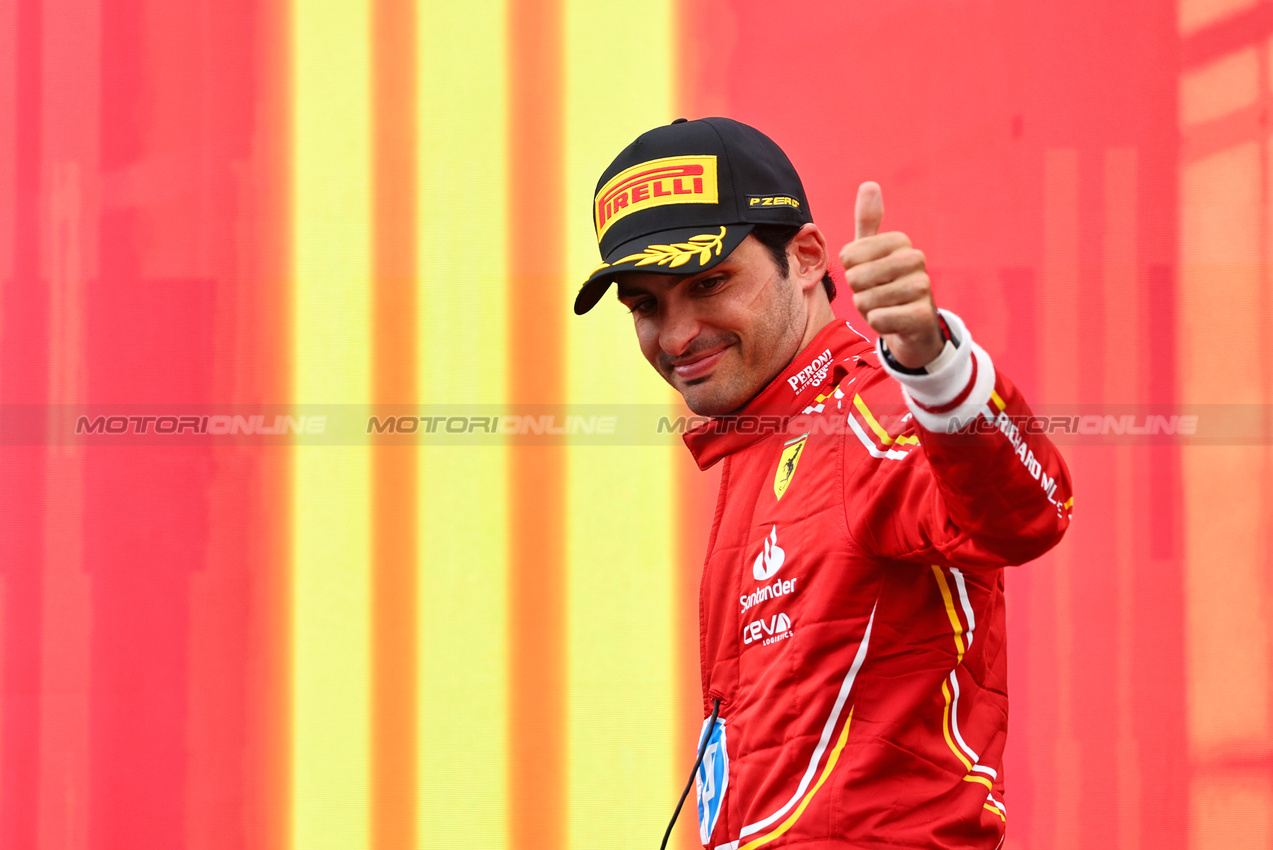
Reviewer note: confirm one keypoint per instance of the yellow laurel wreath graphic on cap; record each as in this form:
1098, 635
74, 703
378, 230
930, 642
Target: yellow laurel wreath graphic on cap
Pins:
679, 254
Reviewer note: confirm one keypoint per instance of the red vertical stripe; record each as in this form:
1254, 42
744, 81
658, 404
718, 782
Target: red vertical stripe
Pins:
8, 134
537, 500
185, 312
23, 380
237, 729
393, 786
149, 337
69, 160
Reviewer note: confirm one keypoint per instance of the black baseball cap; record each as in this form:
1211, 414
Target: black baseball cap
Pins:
680, 199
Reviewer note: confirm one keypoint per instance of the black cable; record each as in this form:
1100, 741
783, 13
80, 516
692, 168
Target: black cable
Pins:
702, 750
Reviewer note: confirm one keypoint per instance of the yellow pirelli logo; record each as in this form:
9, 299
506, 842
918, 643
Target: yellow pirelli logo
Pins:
672, 180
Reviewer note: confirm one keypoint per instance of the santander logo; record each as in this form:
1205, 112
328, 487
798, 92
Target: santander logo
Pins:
770, 560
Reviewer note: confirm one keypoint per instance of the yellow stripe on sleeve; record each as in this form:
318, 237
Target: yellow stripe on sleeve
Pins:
878, 428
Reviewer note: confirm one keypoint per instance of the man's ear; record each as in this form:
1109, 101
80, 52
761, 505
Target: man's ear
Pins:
807, 257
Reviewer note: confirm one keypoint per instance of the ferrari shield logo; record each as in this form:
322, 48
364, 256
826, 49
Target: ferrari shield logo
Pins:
787, 465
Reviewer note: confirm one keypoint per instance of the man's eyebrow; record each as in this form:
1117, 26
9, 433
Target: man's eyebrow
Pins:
628, 291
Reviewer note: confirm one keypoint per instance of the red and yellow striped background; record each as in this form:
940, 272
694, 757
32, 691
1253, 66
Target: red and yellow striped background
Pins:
382, 646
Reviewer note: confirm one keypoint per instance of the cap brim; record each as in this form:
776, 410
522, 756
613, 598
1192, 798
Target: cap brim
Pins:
680, 251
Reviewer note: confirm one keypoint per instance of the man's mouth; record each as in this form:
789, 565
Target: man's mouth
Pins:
699, 367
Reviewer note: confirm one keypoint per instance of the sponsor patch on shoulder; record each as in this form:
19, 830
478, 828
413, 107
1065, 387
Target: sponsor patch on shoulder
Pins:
813, 372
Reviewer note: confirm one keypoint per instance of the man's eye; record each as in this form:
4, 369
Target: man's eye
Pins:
643, 307
709, 284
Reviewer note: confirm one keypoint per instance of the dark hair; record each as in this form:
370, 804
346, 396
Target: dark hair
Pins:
776, 237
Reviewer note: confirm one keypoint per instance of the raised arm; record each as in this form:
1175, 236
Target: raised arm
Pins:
978, 491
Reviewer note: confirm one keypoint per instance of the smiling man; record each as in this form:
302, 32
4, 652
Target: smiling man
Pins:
852, 612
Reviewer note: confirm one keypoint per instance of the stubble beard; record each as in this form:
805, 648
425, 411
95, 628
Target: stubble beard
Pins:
774, 340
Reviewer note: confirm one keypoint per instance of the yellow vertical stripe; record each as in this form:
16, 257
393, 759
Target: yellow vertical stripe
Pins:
950, 611
463, 514
623, 767
332, 262
953, 616
945, 726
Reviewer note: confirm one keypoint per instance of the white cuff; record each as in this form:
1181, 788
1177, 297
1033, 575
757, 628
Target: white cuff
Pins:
945, 379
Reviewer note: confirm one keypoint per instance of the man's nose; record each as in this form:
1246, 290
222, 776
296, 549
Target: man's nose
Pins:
677, 330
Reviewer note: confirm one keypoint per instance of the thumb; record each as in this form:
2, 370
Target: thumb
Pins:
869, 211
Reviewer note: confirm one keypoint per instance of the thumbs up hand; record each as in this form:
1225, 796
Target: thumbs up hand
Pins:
890, 285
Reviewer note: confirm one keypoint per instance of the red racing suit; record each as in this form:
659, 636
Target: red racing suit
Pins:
852, 609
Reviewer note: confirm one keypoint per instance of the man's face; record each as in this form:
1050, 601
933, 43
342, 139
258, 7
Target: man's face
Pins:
720, 336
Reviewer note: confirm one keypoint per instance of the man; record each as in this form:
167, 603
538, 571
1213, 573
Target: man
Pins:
852, 613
